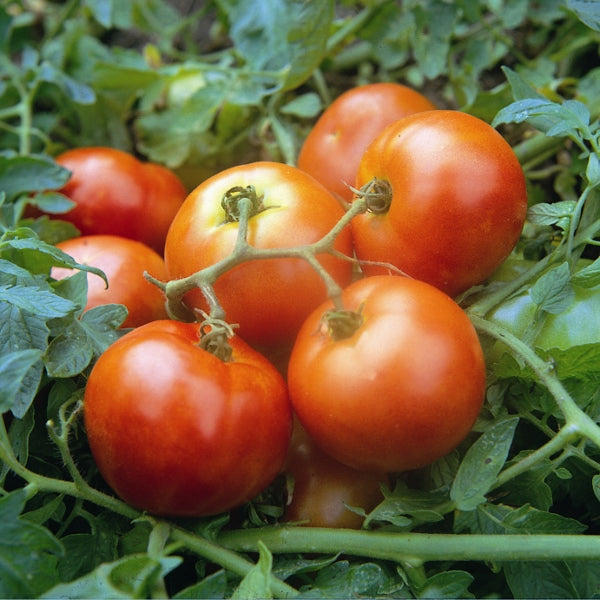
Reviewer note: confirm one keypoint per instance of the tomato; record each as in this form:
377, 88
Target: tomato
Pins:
176, 431
117, 194
332, 150
453, 200
268, 298
323, 488
578, 324
400, 388
123, 261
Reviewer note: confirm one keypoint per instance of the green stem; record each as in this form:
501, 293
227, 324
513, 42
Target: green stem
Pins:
411, 547
577, 421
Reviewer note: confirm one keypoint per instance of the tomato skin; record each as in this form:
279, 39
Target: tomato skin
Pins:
176, 431
117, 194
399, 393
268, 298
123, 261
578, 324
458, 205
333, 148
324, 487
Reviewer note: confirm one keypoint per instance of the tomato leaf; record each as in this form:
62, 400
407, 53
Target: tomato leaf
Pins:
257, 583
534, 579
280, 35
19, 371
134, 576
481, 465
449, 584
22, 174
28, 552
553, 292
557, 213
588, 12
213, 586
343, 580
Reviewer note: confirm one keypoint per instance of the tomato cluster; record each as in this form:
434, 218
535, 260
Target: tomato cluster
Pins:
381, 367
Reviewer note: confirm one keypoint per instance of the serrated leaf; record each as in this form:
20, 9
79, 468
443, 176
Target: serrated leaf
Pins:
257, 582
69, 353
535, 579
28, 552
557, 213
281, 35
481, 465
15, 373
553, 291
36, 301
134, 576
343, 580
22, 174
214, 586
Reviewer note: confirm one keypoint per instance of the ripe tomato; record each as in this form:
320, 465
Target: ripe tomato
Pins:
115, 193
268, 298
453, 200
176, 431
402, 389
324, 488
123, 262
332, 150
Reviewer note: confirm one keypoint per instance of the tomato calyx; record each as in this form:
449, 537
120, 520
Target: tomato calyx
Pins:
342, 323
377, 195
233, 198
214, 337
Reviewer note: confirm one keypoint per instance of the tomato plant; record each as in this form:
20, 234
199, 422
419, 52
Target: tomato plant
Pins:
578, 323
176, 430
396, 386
124, 262
268, 298
117, 194
333, 148
323, 489
449, 200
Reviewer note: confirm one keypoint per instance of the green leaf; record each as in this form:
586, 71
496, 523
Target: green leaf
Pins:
481, 465
28, 552
592, 171
306, 106
405, 507
343, 580
449, 584
289, 36
534, 579
553, 291
36, 301
15, 374
214, 586
587, 11
134, 576
257, 583
22, 174
557, 213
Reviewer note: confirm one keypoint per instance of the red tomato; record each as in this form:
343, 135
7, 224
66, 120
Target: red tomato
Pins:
324, 488
399, 392
332, 150
123, 261
176, 431
115, 193
454, 200
268, 298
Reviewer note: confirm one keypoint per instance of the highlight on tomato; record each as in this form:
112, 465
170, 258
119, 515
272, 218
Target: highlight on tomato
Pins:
392, 381
268, 298
176, 430
124, 262
323, 490
117, 194
333, 148
447, 200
